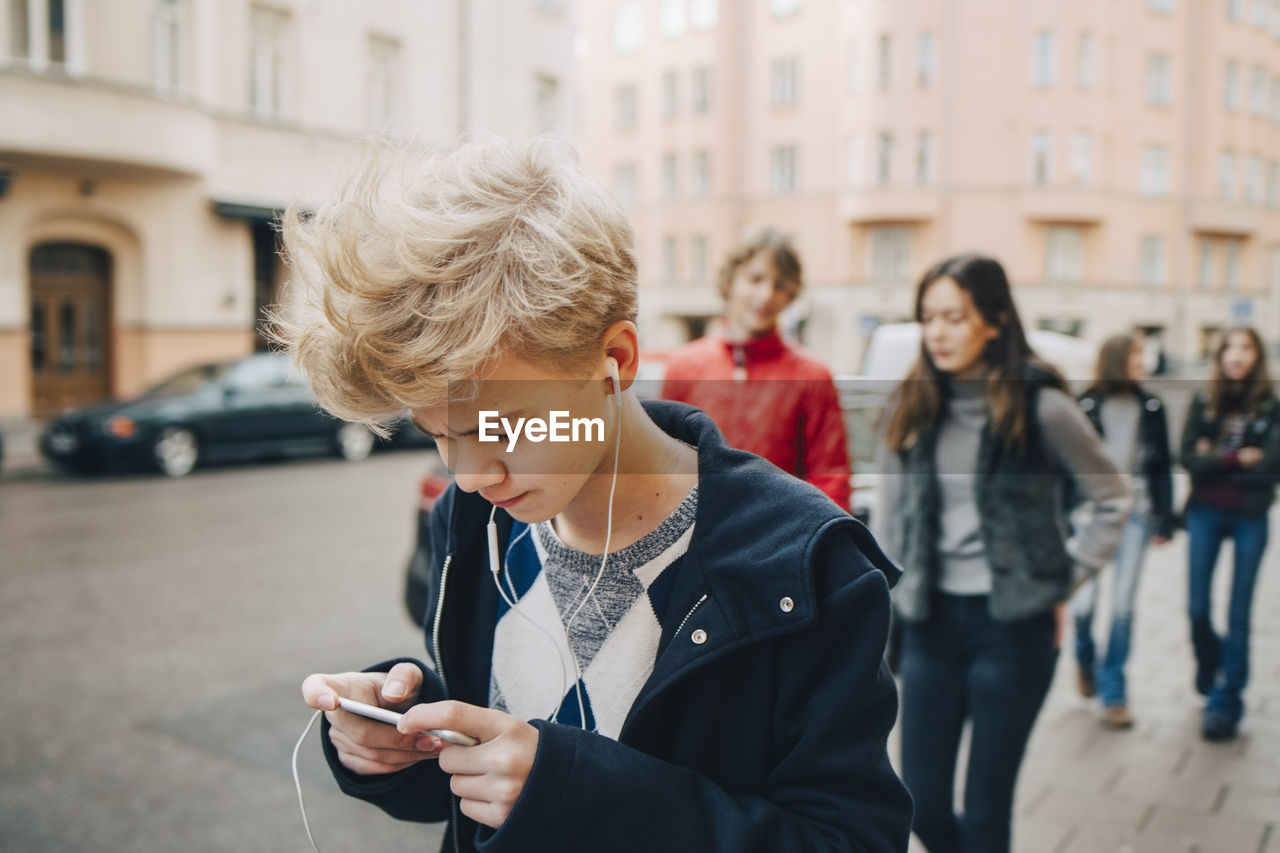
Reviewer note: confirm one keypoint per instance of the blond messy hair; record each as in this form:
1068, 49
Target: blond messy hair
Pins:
431, 263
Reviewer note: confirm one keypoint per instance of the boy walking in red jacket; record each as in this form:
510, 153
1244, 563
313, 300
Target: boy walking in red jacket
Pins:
767, 396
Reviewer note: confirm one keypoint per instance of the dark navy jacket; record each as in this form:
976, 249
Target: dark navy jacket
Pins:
768, 735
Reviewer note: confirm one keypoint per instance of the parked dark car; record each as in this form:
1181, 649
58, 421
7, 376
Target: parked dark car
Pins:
254, 407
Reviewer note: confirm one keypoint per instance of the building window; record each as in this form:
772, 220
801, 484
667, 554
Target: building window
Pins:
19, 30
1231, 86
1159, 79
1273, 184
783, 170
1254, 184
1041, 158
1042, 61
45, 32
703, 14
674, 17
1064, 253
700, 90
1086, 62
166, 45
624, 107
1152, 268
884, 62
1081, 158
699, 258
924, 159
700, 174
628, 27
785, 82
382, 97
884, 159
1207, 266
1227, 176
1260, 14
1231, 271
57, 31
890, 252
268, 61
624, 183
670, 260
1235, 10
1258, 91
670, 105
783, 8
1163, 6
1154, 180
670, 177
926, 60
546, 103
853, 161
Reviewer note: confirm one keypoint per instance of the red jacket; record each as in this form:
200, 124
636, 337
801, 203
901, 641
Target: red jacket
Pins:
769, 398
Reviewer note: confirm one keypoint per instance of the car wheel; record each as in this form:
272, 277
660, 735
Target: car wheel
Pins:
176, 451
355, 442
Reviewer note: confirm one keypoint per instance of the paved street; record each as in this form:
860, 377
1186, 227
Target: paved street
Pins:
154, 635
1159, 788
155, 632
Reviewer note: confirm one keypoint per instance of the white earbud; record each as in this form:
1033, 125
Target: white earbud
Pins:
611, 368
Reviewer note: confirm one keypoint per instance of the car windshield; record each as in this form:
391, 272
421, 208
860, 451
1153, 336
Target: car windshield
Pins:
185, 382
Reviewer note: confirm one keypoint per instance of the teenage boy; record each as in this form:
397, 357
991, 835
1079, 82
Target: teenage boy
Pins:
767, 396
661, 642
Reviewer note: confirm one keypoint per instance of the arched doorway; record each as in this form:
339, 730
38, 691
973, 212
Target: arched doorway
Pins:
70, 325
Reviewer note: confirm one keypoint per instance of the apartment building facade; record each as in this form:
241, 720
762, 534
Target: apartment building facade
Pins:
147, 145
1121, 158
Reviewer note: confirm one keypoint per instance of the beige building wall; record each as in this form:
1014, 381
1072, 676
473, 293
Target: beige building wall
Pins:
1083, 144
170, 132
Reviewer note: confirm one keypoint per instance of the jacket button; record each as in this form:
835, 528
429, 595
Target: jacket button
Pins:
787, 604
699, 637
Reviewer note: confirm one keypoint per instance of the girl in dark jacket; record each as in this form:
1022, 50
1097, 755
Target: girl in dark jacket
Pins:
1231, 447
979, 445
1135, 436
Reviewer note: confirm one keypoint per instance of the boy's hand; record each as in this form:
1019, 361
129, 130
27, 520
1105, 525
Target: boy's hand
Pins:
366, 746
488, 778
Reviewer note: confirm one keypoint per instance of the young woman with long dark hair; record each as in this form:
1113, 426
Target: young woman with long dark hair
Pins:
1135, 435
980, 442
1231, 446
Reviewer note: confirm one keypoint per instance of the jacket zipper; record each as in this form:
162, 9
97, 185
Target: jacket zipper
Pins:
435, 623
435, 644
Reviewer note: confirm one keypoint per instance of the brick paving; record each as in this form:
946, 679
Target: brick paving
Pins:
1159, 788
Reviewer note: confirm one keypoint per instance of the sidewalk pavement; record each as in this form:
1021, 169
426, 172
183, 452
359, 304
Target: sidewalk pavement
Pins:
1158, 787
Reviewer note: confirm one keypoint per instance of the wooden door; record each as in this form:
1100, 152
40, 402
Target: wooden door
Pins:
70, 326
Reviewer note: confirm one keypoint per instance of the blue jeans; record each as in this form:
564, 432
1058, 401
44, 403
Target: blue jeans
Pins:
1227, 657
1128, 568
961, 665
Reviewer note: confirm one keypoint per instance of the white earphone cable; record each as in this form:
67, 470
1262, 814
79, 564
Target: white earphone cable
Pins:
297, 782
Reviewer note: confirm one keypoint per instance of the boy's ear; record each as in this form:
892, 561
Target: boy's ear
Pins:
621, 343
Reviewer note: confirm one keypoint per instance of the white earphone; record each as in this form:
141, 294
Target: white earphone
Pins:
611, 368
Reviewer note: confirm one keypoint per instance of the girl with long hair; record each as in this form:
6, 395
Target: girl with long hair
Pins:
1231, 447
1135, 435
980, 442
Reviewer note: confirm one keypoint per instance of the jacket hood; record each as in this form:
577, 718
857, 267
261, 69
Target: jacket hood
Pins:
763, 549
